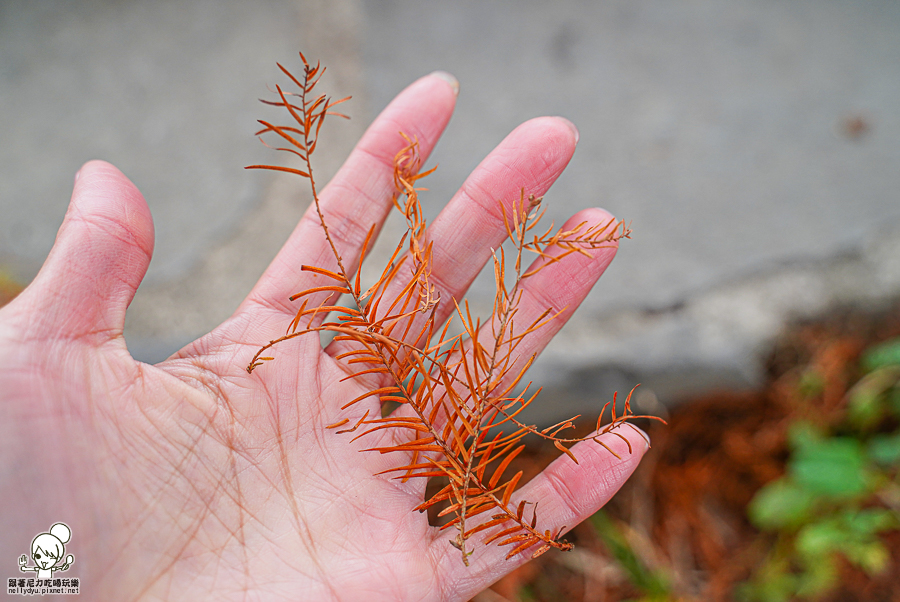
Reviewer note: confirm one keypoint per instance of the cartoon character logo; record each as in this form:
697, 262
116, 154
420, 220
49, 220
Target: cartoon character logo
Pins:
47, 551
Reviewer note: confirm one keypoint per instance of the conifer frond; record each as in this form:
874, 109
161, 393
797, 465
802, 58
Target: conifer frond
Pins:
459, 390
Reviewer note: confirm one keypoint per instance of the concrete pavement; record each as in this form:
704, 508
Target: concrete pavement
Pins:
754, 145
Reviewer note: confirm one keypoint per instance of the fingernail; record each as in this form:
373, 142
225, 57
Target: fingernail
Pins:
642, 433
454, 83
77, 175
571, 127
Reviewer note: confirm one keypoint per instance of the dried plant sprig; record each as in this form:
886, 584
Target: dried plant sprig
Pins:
309, 116
456, 391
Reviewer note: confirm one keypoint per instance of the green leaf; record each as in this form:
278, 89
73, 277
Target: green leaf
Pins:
831, 467
893, 401
886, 354
649, 582
872, 557
772, 582
811, 383
820, 576
780, 504
778, 588
852, 534
864, 524
820, 539
885, 449
802, 433
867, 399
865, 409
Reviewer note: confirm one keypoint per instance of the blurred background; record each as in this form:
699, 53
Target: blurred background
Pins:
754, 145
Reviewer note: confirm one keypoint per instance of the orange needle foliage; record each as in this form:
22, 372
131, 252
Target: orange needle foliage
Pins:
459, 390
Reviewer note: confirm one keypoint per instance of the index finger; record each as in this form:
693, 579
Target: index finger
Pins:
359, 195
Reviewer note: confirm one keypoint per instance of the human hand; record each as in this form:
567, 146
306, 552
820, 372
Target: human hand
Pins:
193, 479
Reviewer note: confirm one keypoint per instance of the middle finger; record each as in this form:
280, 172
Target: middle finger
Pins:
530, 158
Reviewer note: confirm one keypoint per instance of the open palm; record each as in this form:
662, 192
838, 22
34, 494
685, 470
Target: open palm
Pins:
193, 479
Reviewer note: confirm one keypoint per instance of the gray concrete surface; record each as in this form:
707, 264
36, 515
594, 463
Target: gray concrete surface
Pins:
753, 144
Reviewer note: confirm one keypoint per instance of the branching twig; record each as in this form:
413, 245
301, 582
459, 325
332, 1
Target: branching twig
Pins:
458, 388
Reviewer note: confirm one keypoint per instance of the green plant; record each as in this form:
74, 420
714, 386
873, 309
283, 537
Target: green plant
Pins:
652, 585
840, 494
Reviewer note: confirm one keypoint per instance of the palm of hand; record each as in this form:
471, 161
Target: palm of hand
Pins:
193, 478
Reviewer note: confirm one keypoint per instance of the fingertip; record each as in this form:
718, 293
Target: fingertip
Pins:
637, 447
603, 467
557, 129
544, 145
624, 445
424, 108
611, 228
361, 191
645, 437
113, 196
421, 111
571, 126
449, 78
100, 256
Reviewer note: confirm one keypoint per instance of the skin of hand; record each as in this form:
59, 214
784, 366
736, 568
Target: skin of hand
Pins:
194, 480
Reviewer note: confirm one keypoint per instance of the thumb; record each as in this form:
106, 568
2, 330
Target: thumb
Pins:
100, 256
